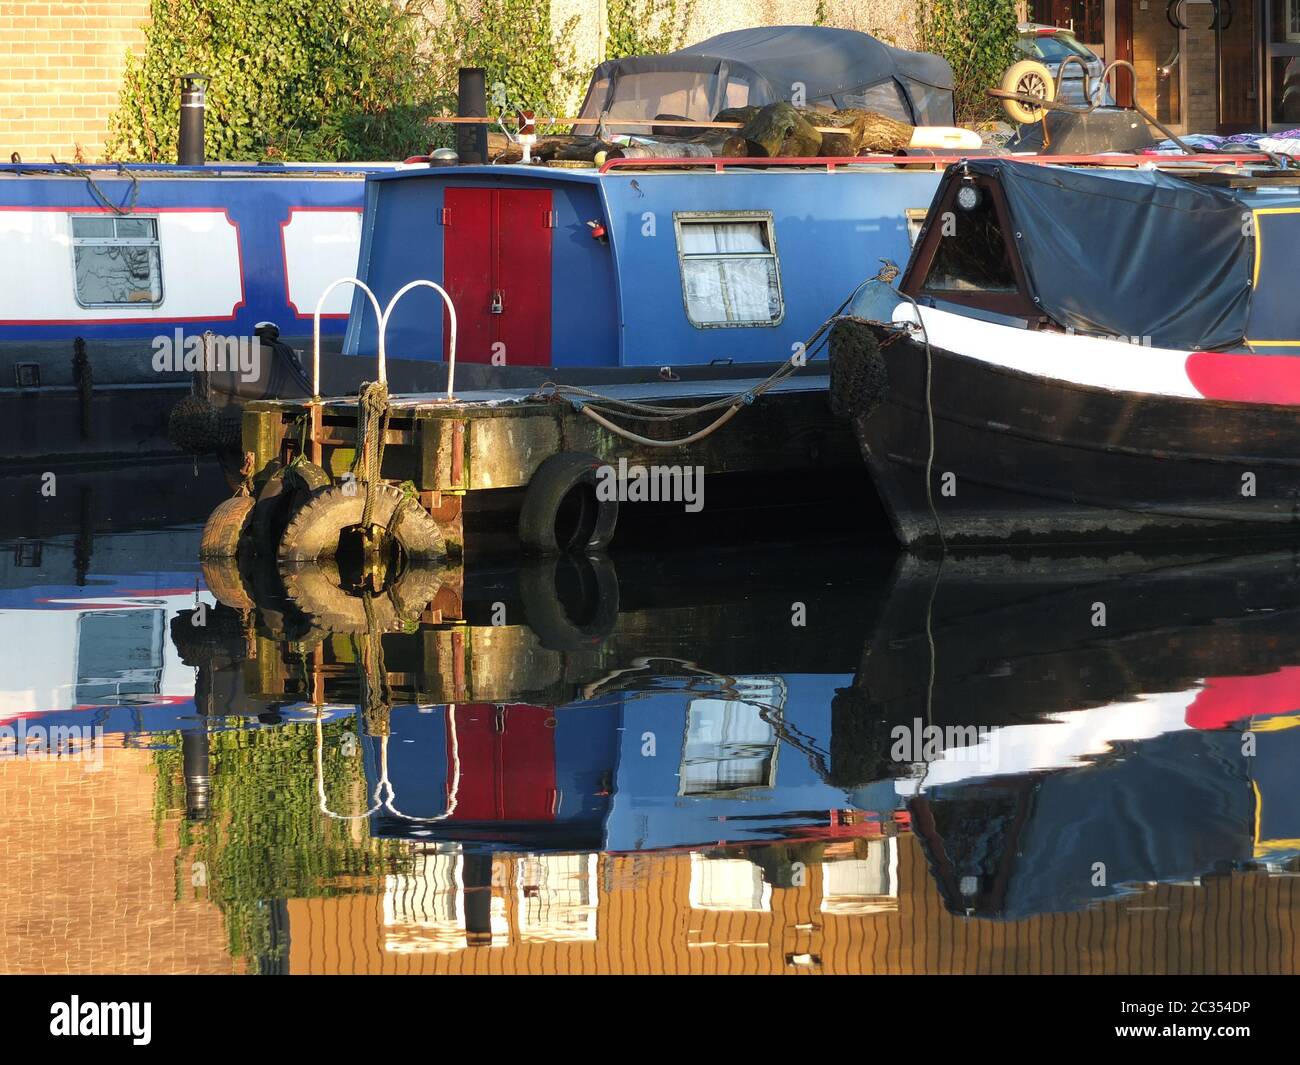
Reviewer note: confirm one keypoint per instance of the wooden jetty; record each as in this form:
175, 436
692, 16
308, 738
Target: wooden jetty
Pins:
470, 461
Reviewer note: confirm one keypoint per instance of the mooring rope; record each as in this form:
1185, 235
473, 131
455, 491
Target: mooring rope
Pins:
372, 431
601, 408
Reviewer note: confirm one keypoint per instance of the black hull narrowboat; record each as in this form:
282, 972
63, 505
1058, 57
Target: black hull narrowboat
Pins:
1083, 355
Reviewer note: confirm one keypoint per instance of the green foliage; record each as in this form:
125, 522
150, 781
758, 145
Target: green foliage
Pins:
978, 38
528, 65
293, 79
646, 27
265, 838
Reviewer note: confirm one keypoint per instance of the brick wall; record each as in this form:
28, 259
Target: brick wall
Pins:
60, 69
87, 883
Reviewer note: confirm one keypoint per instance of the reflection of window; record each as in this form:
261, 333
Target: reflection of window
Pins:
731, 744
730, 273
1293, 20
862, 885
728, 884
557, 897
117, 260
971, 256
119, 655
424, 909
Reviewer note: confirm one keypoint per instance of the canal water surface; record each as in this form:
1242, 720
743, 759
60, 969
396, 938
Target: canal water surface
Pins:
799, 759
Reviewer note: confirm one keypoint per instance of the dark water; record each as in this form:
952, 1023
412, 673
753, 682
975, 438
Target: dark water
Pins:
799, 759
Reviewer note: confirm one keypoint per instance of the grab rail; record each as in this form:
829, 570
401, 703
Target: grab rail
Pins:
451, 312
355, 282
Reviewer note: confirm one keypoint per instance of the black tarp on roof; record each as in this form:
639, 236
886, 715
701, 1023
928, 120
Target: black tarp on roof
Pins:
1134, 253
838, 68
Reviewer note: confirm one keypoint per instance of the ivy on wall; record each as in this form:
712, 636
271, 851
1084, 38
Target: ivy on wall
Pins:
296, 79
528, 63
978, 38
646, 27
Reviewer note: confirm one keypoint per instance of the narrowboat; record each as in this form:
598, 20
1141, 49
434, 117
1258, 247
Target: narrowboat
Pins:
615, 274
110, 271
1085, 353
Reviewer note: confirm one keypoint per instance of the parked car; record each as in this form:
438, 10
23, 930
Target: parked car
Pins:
1050, 45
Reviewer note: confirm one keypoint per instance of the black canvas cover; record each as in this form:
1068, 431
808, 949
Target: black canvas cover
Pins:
837, 68
1131, 253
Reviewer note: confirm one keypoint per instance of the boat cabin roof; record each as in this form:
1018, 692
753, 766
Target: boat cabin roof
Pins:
1178, 263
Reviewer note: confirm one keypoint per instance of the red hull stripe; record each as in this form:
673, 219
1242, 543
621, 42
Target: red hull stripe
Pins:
1245, 378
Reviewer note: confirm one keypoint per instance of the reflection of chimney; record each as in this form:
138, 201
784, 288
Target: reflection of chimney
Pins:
198, 782
476, 879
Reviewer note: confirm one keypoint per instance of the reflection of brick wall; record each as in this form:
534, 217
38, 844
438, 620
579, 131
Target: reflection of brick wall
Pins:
645, 923
62, 70
85, 886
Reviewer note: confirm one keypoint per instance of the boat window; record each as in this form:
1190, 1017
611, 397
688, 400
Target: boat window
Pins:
971, 255
730, 273
117, 260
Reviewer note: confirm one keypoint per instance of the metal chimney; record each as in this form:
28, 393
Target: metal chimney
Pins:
193, 91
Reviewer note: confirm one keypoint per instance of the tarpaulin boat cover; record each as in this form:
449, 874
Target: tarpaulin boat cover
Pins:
836, 68
1137, 253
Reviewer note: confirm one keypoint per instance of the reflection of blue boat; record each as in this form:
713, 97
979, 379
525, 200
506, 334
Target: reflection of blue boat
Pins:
740, 760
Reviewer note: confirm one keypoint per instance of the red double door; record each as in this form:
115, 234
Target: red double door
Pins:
504, 764
496, 266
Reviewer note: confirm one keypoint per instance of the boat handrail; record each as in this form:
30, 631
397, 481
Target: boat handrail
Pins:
451, 349
355, 282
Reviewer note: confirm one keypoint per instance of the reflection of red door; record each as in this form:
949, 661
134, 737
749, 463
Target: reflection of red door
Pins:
506, 761
496, 266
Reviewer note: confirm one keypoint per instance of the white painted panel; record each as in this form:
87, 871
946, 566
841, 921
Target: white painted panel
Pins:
319, 248
200, 267
1091, 361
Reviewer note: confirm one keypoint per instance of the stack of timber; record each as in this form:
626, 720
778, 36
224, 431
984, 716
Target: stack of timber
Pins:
778, 130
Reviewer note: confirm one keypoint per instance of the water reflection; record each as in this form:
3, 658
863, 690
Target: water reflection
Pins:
750, 761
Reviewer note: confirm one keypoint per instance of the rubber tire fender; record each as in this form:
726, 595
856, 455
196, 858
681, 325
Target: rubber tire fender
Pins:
551, 485
287, 489
313, 531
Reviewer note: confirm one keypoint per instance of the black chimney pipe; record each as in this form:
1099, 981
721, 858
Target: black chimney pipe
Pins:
193, 90
472, 140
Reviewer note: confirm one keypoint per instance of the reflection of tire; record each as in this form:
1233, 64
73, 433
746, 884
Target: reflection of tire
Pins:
225, 580
313, 532
562, 511
1031, 78
220, 636
316, 589
571, 603
225, 527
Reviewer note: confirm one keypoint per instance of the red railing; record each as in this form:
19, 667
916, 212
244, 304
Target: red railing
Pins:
830, 163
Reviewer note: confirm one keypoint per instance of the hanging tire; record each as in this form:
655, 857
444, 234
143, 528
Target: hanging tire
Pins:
316, 589
570, 603
1031, 78
313, 531
225, 528
288, 488
562, 511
